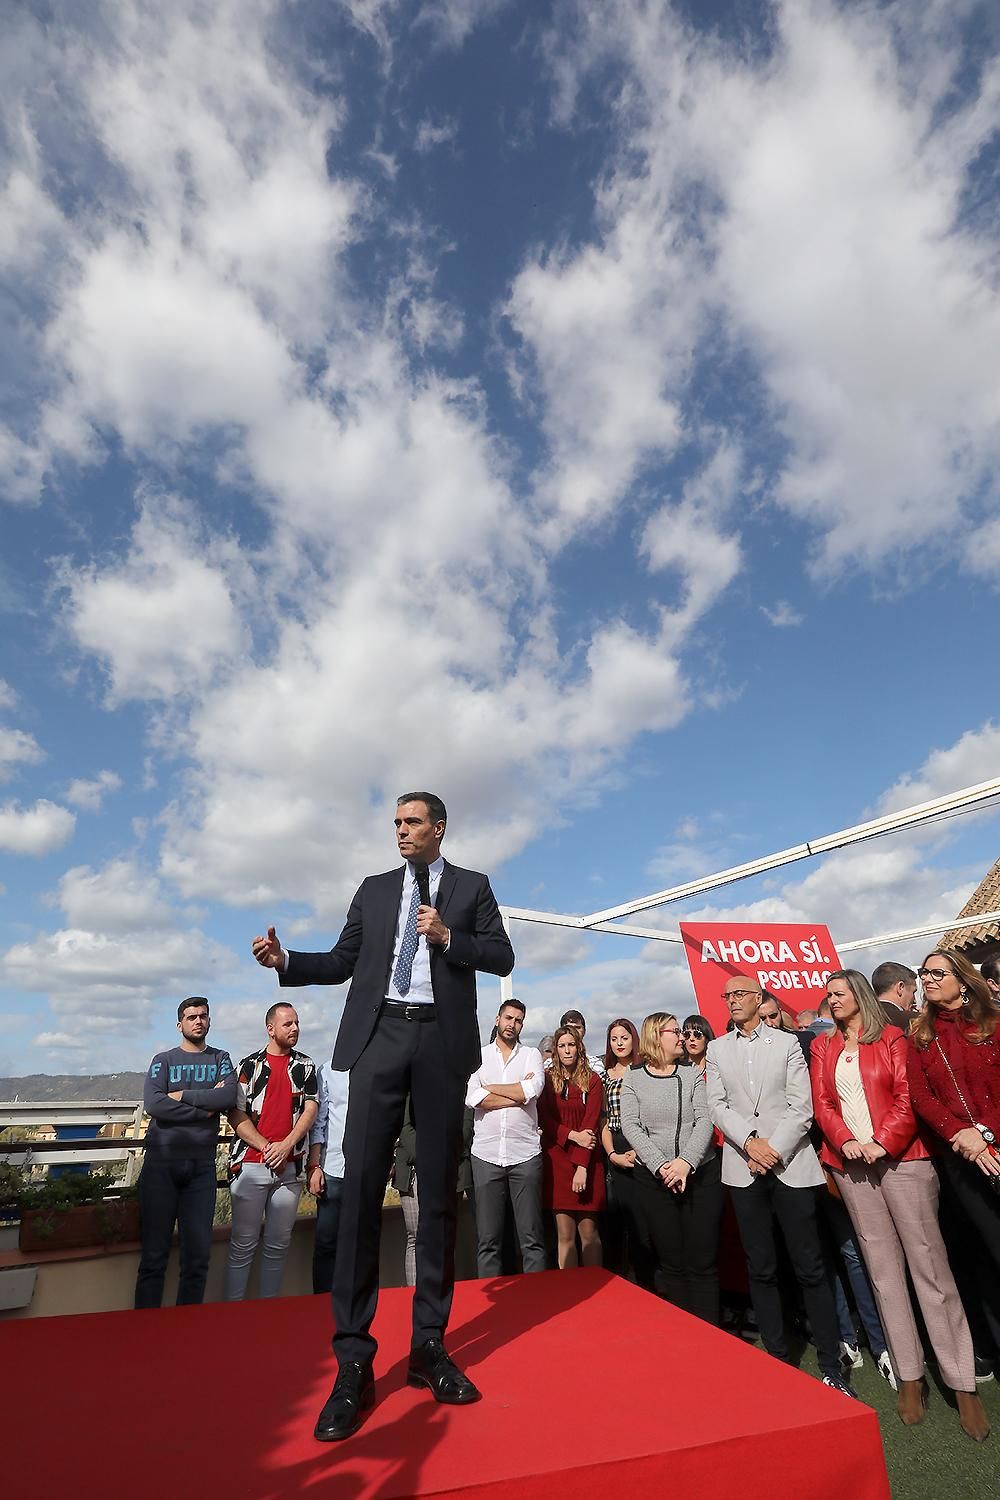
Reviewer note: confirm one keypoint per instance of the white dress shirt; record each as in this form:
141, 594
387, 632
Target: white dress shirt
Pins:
506, 1137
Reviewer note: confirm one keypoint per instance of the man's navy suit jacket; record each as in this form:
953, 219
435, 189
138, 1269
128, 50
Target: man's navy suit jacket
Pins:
363, 954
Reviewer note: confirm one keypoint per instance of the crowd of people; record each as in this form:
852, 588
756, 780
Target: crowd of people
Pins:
851, 1153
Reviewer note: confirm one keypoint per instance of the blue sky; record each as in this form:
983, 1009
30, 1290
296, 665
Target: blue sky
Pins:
589, 412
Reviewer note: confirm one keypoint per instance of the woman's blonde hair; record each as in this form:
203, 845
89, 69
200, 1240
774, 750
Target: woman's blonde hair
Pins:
650, 1046
581, 1074
872, 1017
982, 1010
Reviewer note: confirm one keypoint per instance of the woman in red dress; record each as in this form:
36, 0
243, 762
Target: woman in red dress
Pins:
569, 1116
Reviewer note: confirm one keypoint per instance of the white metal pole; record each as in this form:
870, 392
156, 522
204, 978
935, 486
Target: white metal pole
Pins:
890, 823
506, 980
915, 932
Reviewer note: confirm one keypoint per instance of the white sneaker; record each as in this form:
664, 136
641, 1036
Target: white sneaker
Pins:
884, 1366
850, 1356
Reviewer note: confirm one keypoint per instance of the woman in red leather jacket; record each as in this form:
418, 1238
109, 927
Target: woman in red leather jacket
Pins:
954, 1071
889, 1184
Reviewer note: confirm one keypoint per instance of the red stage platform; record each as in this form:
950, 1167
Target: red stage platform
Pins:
590, 1388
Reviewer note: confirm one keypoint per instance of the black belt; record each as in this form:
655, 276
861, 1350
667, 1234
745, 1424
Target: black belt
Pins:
406, 1012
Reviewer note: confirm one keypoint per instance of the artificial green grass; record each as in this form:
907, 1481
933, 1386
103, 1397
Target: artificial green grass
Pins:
935, 1461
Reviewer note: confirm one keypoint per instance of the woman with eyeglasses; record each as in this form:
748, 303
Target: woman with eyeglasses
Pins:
954, 1072
887, 1181
678, 1182
570, 1107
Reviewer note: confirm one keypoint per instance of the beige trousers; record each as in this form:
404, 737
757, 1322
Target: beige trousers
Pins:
894, 1208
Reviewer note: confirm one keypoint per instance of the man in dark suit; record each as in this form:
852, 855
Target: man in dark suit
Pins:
409, 1028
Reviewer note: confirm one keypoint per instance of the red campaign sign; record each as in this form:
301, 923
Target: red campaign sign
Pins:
790, 959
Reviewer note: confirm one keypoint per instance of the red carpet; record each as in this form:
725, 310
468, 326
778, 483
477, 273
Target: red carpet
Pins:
590, 1388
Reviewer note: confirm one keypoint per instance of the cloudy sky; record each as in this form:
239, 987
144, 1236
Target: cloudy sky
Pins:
591, 412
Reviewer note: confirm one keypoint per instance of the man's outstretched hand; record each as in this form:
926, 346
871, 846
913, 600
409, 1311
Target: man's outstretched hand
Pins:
267, 950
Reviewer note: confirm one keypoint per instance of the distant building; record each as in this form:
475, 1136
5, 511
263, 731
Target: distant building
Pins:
981, 941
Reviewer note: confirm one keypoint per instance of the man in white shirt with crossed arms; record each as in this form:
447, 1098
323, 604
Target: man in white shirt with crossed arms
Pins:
506, 1150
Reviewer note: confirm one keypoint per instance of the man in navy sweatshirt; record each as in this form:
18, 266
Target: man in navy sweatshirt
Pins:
185, 1091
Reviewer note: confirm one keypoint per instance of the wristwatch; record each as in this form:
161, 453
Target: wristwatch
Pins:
986, 1134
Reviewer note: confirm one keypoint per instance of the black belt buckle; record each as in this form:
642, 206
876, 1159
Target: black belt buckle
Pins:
409, 1012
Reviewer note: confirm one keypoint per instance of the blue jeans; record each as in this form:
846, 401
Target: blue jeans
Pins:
175, 1190
842, 1232
325, 1243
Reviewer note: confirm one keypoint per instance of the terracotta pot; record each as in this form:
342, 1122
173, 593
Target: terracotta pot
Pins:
84, 1224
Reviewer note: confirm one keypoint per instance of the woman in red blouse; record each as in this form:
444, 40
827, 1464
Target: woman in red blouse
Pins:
885, 1176
953, 1065
569, 1117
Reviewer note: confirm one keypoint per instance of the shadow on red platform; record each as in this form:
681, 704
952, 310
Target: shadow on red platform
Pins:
590, 1387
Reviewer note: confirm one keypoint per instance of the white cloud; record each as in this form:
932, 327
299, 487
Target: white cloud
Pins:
454, 20
783, 615
17, 748
541, 949
432, 133
35, 830
122, 952
608, 332
830, 246
89, 794
973, 758
114, 979
8, 697
687, 536
119, 897
58, 1041
165, 619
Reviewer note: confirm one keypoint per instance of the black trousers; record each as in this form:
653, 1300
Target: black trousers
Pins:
633, 1247
180, 1191
756, 1208
684, 1230
403, 1057
976, 1208
325, 1242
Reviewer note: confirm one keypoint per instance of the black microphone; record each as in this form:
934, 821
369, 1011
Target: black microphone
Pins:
421, 875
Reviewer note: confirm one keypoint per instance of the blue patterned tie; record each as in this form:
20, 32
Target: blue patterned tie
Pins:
408, 947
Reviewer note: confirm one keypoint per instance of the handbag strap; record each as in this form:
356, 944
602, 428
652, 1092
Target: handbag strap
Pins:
958, 1091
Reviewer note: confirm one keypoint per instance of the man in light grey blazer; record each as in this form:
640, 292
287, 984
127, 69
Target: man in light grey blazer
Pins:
759, 1097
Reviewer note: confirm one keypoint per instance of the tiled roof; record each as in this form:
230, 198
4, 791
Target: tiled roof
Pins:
986, 897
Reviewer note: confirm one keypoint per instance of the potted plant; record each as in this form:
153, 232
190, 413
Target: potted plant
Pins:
10, 1190
71, 1211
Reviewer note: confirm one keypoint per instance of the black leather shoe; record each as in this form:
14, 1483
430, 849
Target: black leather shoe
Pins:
353, 1393
430, 1366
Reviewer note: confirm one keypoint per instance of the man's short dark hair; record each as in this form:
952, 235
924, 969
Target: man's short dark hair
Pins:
513, 1004
573, 1018
272, 1010
991, 969
436, 810
193, 1002
888, 974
